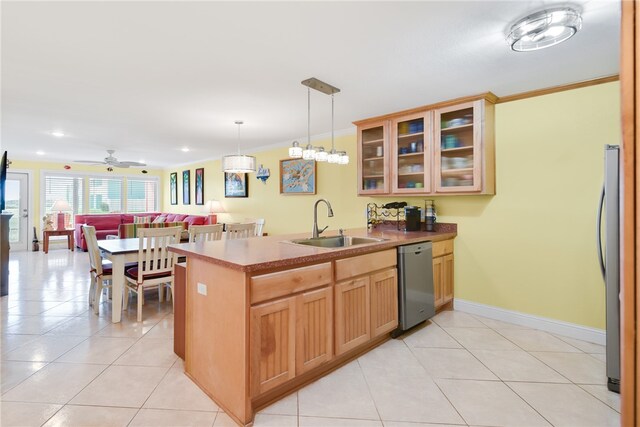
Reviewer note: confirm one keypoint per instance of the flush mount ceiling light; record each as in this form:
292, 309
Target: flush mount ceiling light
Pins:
544, 29
57, 134
238, 163
319, 154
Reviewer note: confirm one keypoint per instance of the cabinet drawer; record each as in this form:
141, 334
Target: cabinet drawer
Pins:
284, 283
442, 248
365, 264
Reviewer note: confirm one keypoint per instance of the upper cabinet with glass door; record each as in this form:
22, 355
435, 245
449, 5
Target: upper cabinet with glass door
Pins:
410, 153
373, 158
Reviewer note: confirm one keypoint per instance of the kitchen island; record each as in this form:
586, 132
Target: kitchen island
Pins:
265, 316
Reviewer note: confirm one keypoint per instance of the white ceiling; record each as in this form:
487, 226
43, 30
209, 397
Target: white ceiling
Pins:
148, 78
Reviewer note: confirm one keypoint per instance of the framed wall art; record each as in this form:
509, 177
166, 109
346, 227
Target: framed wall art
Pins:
297, 176
173, 187
236, 185
199, 186
186, 187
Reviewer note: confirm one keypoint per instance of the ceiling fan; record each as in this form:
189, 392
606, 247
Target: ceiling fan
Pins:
111, 161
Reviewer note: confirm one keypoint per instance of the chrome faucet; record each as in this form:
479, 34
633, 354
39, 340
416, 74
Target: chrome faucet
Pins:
316, 231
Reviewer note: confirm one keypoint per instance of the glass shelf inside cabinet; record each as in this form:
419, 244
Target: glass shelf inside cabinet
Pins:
410, 155
456, 148
373, 158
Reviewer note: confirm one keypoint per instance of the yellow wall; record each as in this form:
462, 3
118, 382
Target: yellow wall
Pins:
530, 248
36, 167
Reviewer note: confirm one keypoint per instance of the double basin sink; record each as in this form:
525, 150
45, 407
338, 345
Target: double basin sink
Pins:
336, 241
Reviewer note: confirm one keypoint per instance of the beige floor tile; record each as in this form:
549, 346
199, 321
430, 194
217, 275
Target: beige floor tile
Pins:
81, 325
8, 320
177, 391
223, 420
587, 347
55, 383
286, 406
567, 405
69, 308
431, 335
412, 398
36, 325
14, 414
517, 365
172, 418
452, 363
403, 424
489, 403
458, 319
264, 420
578, 367
149, 352
533, 340
124, 386
91, 416
480, 339
336, 422
162, 329
44, 349
404, 361
178, 364
602, 393
341, 394
600, 356
13, 373
100, 350
125, 330
498, 324
30, 308
10, 342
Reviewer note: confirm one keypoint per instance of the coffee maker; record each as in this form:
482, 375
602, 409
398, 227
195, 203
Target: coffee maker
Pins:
412, 218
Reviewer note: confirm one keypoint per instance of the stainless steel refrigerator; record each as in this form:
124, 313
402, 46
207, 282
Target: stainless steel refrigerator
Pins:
609, 257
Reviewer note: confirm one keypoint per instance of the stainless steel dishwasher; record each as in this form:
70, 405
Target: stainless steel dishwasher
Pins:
415, 285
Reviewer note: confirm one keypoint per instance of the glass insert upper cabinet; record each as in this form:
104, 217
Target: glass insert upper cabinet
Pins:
463, 154
373, 147
410, 158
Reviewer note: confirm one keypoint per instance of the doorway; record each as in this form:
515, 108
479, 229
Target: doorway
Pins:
17, 202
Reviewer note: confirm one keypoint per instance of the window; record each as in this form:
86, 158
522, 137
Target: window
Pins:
142, 195
69, 188
105, 195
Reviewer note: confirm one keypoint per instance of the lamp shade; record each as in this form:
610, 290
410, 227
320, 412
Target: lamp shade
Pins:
214, 206
238, 163
60, 206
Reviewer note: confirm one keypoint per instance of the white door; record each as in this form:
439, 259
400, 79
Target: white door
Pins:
17, 203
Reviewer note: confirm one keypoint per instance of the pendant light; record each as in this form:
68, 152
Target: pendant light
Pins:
295, 151
544, 29
238, 163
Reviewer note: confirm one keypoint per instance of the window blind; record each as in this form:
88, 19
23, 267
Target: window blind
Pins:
142, 195
105, 195
67, 188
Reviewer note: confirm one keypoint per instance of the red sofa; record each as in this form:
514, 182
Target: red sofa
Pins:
107, 224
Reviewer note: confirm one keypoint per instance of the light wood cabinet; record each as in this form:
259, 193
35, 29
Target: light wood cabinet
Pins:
443, 148
314, 330
442, 272
384, 302
353, 318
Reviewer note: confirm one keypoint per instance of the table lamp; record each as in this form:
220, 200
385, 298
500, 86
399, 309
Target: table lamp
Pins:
60, 206
214, 207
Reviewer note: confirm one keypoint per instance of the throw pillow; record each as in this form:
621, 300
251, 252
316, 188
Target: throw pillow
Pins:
141, 219
159, 220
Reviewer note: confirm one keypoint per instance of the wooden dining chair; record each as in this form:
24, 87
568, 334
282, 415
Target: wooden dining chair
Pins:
259, 225
240, 231
155, 263
100, 269
198, 233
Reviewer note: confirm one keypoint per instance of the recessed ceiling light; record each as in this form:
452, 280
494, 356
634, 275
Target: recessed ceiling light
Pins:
544, 29
57, 134
142, 161
185, 149
40, 153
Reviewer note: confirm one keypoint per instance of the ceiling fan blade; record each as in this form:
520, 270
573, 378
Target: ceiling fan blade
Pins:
117, 164
122, 164
91, 162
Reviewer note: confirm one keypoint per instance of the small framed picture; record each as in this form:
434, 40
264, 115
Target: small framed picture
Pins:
236, 185
297, 176
200, 186
173, 185
186, 187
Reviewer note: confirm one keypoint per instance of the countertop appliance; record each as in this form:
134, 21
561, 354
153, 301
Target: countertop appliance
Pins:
610, 259
415, 285
412, 218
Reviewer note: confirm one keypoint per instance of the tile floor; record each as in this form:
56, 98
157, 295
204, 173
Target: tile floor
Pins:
64, 366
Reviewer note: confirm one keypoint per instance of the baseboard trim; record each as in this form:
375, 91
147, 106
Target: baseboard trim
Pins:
571, 330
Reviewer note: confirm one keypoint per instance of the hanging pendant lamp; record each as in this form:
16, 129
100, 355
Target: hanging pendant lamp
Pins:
238, 163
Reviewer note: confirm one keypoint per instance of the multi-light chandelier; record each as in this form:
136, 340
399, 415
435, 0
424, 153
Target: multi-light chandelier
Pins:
319, 154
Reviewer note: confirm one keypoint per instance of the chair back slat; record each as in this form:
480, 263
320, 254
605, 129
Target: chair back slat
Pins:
240, 231
198, 233
95, 260
154, 256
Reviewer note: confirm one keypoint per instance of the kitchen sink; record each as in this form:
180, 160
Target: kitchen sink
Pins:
336, 241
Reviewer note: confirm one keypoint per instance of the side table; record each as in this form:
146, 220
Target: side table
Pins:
49, 233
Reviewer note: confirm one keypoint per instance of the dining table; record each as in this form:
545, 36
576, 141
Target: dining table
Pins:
119, 252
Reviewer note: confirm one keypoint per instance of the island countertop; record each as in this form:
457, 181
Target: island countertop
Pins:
270, 252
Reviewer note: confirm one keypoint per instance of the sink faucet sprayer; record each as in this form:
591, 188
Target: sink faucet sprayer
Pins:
316, 231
